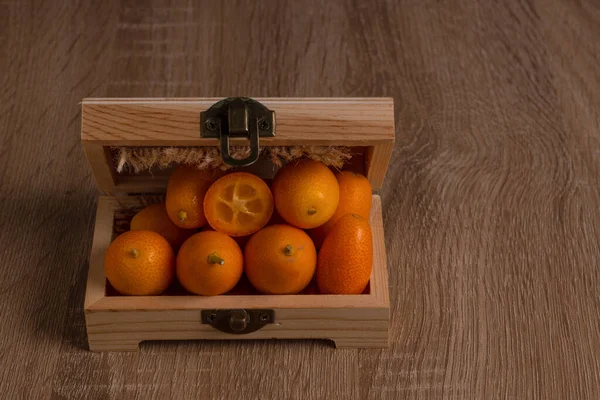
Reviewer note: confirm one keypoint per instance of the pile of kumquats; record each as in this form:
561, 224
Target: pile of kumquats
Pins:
308, 227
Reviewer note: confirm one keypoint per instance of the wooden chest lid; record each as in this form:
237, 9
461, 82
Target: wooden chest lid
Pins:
110, 125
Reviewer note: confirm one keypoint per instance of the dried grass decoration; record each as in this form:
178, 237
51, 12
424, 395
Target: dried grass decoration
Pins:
138, 159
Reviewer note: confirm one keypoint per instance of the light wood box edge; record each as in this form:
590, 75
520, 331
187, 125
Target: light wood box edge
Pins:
120, 323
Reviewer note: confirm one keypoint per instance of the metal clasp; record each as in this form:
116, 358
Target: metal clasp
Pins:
238, 321
238, 117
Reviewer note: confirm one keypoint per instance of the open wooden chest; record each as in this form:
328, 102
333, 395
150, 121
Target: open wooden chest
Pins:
112, 129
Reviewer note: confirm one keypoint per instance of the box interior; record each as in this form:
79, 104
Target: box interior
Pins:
121, 222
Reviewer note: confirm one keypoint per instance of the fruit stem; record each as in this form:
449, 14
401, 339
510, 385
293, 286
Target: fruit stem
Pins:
135, 253
312, 211
182, 215
213, 258
287, 250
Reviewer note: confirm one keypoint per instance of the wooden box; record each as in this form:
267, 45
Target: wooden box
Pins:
120, 323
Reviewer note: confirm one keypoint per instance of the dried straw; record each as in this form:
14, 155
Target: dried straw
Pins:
138, 159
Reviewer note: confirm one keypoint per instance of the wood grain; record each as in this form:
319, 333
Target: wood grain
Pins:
175, 122
377, 159
490, 203
365, 122
104, 171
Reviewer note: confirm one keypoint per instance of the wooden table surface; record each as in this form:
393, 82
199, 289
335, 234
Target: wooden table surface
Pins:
491, 203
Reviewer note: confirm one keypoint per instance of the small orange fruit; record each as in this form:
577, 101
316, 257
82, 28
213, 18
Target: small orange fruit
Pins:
209, 263
139, 263
280, 259
346, 257
185, 196
355, 198
154, 218
240, 240
238, 204
306, 193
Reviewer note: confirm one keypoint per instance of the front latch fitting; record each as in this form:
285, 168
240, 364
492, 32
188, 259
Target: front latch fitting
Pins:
238, 117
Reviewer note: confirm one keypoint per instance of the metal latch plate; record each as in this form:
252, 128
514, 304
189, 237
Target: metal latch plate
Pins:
238, 321
238, 117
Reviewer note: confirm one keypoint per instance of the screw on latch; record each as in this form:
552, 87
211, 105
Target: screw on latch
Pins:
264, 318
238, 117
211, 124
264, 125
210, 318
